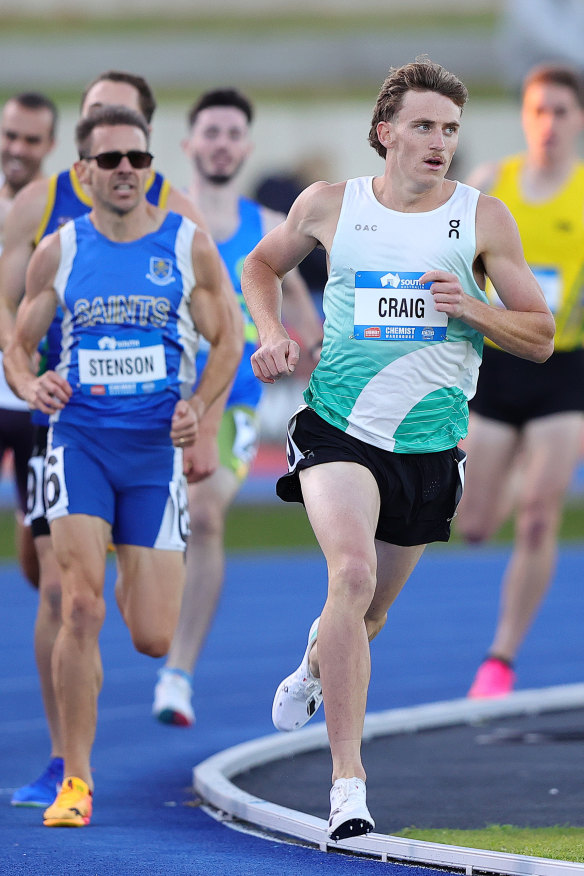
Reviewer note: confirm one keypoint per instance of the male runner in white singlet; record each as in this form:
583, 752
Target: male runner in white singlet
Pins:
373, 454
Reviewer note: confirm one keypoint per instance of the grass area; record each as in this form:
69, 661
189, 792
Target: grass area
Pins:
248, 527
276, 526
248, 25
282, 526
314, 22
279, 526
334, 94
562, 843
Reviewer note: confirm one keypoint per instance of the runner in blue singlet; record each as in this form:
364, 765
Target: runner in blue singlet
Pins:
136, 285
217, 146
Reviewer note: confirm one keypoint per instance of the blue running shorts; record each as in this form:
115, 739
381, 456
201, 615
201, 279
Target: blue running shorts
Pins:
131, 478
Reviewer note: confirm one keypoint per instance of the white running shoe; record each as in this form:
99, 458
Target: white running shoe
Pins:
300, 694
172, 698
349, 814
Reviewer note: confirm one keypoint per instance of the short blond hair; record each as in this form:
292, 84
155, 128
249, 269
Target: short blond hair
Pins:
419, 75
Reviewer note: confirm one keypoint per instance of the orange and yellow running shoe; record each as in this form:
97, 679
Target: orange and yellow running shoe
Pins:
72, 806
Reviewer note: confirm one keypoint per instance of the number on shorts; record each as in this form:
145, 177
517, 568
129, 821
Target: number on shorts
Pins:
56, 497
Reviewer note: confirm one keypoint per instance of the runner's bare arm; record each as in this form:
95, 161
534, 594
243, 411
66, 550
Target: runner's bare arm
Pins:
22, 223
311, 220
298, 308
48, 392
218, 317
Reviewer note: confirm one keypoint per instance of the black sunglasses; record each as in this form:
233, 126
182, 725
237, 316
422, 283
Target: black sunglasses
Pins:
111, 160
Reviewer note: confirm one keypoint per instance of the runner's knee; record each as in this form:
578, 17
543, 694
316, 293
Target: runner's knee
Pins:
207, 521
536, 520
84, 613
154, 645
353, 579
473, 527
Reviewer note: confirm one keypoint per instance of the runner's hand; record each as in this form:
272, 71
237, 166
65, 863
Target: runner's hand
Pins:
449, 296
49, 393
274, 359
184, 425
201, 459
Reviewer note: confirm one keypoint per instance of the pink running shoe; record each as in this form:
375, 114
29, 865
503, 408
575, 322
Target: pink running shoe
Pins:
494, 678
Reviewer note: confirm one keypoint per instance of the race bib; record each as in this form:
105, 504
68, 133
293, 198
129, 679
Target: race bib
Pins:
550, 284
129, 363
395, 306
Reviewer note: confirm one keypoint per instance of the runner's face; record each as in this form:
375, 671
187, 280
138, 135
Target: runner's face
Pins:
219, 143
26, 139
106, 93
422, 137
552, 120
119, 190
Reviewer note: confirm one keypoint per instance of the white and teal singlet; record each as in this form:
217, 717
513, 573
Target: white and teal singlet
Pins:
394, 372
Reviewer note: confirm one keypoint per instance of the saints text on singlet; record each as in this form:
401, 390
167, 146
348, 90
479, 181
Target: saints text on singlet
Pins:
67, 200
394, 372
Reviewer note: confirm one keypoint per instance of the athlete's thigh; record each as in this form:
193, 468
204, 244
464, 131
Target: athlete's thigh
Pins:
80, 544
151, 582
76, 482
491, 447
151, 501
342, 503
212, 496
552, 448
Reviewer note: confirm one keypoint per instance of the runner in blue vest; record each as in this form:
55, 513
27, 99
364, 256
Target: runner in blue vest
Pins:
217, 146
39, 209
136, 285
373, 454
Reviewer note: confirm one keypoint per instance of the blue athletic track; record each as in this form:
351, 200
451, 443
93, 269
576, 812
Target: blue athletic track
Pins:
146, 820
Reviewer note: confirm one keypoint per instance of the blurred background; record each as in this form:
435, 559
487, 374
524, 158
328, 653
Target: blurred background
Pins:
313, 71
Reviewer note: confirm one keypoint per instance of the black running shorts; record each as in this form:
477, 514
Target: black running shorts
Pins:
35, 511
16, 434
515, 391
419, 491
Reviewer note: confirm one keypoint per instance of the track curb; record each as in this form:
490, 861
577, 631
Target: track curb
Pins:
212, 782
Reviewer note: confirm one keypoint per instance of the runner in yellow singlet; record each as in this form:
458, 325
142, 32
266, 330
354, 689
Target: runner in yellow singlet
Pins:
525, 434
